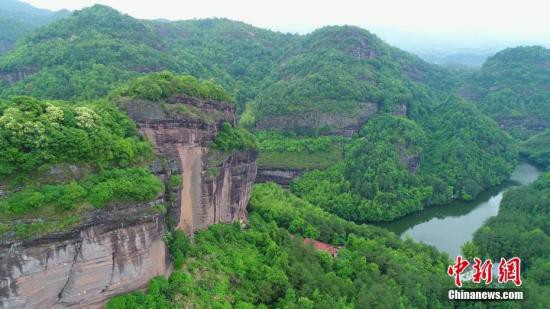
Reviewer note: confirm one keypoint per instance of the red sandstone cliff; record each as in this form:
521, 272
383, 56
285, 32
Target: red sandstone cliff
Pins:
119, 249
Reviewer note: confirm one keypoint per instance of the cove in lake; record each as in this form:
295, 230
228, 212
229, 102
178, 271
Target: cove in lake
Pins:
448, 227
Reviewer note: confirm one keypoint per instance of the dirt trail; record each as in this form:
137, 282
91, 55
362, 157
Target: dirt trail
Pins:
191, 162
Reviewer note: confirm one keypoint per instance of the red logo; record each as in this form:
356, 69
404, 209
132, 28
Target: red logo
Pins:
508, 270
457, 269
483, 271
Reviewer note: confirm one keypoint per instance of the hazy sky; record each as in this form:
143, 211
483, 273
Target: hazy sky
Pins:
478, 21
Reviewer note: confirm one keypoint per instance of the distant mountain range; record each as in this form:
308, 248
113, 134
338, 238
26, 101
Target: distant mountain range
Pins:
19, 18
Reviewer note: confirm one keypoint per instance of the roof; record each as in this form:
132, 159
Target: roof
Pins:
321, 246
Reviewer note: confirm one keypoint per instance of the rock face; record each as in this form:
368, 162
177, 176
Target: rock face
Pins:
118, 250
333, 123
114, 252
214, 187
527, 123
15, 76
282, 177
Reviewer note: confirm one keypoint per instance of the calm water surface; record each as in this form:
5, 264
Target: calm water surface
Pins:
448, 227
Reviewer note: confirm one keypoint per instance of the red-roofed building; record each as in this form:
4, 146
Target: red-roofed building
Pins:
330, 249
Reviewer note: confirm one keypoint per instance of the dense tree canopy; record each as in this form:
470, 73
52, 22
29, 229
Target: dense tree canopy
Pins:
157, 86
521, 229
89, 53
537, 149
34, 133
466, 151
336, 68
268, 265
233, 138
512, 87
59, 160
396, 167
374, 181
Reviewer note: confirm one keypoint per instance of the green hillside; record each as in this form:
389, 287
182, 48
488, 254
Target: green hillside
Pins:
396, 167
17, 19
268, 266
512, 87
336, 69
521, 229
89, 53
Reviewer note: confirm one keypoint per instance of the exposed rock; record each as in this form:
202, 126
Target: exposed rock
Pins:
527, 122
333, 123
202, 199
282, 177
400, 110
119, 249
408, 159
114, 252
15, 76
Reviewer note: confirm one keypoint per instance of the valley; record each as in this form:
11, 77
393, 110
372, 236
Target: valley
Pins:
450, 226
192, 164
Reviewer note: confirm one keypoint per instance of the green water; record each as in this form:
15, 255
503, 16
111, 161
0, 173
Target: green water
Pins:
448, 227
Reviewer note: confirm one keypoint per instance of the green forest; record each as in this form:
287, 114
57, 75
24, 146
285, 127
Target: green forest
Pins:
267, 265
376, 133
521, 229
537, 149
61, 160
396, 167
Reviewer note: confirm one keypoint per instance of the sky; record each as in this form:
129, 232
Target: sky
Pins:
467, 22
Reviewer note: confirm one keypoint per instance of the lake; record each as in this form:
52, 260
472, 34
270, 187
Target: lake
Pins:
448, 227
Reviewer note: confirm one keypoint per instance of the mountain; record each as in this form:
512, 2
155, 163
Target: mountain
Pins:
331, 81
334, 69
396, 166
19, 18
339, 76
87, 54
513, 88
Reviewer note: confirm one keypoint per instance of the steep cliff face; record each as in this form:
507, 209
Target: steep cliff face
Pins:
214, 187
119, 249
115, 251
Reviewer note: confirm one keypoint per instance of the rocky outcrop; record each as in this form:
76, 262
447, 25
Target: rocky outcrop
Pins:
214, 187
282, 177
119, 249
113, 252
409, 158
527, 123
330, 123
13, 77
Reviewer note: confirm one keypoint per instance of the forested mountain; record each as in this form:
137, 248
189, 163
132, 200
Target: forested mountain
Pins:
339, 70
521, 229
396, 167
329, 81
19, 18
512, 87
537, 149
110, 123
87, 54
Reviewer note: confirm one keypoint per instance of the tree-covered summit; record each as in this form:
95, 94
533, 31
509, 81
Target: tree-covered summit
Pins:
333, 69
157, 86
512, 87
18, 19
